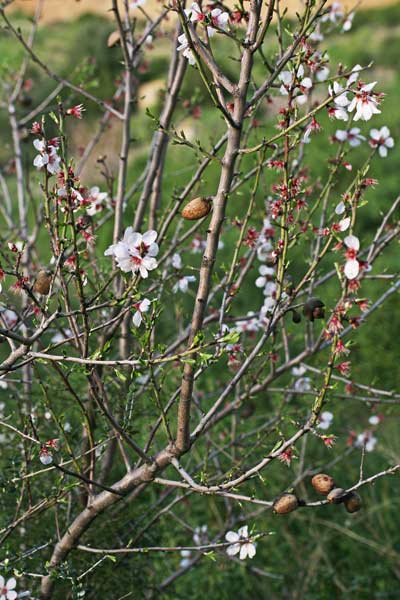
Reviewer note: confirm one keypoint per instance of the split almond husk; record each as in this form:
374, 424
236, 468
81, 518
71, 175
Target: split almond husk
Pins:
197, 208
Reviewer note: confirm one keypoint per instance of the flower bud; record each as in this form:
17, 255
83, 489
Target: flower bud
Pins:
314, 309
336, 496
196, 208
322, 483
353, 502
285, 503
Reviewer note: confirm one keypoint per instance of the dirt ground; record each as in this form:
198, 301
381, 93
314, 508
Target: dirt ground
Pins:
60, 10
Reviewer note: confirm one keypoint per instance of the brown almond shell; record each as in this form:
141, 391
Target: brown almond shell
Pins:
285, 503
323, 483
196, 209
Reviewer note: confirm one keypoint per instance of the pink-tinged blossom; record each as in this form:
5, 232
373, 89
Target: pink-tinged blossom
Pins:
352, 266
340, 348
135, 252
344, 368
348, 22
301, 90
240, 543
7, 588
286, 456
141, 307
341, 102
364, 103
381, 139
98, 201
185, 49
71, 199
194, 13
47, 157
368, 439
36, 128
375, 419
329, 440
8, 317
76, 111
335, 13
353, 136
45, 456
219, 19
182, 285
325, 420
249, 325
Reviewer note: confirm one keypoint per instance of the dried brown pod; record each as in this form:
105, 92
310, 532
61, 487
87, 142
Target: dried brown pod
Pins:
336, 496
114, 39
42, 282
314, 309
285, 503
322, 483
197, 208
352, 502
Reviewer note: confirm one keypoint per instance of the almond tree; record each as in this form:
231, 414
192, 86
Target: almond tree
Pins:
110, 384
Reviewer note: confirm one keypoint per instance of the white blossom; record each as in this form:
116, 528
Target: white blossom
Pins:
381, 139
302, 384
240, 543
352, 136
135, 252
7, 588
219, 19
325, 420
47, 157
98, 201
265, 275
340, 208
368, 439
352, 266
185, 49
364, 103
182, 284
348, 22
141, 307
176, 261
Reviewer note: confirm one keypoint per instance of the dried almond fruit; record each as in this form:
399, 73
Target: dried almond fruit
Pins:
197, 208
353, 502
336, 496
322, 483
114, 39
42, 282
285, 503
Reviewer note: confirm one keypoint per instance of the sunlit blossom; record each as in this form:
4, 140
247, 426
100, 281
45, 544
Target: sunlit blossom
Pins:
135, 252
